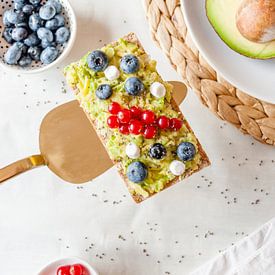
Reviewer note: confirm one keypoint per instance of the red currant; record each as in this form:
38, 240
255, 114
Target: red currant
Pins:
175, 124
150, 131
63, 270
77, 269
124, 115
135, 127
114, 108
135, 111
148, 117
163, 122
124, 129
112, 122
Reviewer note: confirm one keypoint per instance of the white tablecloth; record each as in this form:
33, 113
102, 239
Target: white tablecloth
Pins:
43, 217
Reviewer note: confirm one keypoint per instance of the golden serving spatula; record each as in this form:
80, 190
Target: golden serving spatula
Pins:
69, 145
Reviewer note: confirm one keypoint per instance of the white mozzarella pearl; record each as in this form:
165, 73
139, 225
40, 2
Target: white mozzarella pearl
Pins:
157, 89
111, 72
177, 168
132, 151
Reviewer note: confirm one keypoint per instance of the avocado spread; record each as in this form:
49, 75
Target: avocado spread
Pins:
86, 81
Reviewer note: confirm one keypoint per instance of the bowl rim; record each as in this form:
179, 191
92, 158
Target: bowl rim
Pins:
61, 57
72, 258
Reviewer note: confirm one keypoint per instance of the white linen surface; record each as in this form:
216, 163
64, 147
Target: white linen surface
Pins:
253, 255
43, 218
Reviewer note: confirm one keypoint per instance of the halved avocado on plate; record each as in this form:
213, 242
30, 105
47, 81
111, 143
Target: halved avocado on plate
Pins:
221, 14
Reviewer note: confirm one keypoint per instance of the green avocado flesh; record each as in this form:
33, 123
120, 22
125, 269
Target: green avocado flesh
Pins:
80, 76
221, 14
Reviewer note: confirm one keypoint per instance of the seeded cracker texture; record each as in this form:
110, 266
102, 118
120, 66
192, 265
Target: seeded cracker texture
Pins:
204, 161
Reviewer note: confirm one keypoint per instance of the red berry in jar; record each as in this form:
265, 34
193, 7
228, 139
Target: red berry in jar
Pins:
124, 129
63, 270
148, 117
114, 108
150, 131
175, 124
78, 269
163, 122
112, 122
124, 115
135, 111
135, 127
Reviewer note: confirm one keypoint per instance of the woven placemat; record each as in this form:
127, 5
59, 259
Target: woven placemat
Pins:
251, 115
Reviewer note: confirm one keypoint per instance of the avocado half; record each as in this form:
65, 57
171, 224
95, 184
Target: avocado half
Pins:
222, 16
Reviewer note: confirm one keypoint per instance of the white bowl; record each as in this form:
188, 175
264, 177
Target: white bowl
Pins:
51, 268
37, 67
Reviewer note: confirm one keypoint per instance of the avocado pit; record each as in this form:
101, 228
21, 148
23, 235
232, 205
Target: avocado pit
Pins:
255, 19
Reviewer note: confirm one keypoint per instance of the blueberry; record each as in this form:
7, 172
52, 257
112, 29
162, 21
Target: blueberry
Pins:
28, 9
157, 151
45, 34
133, 86
45, 44
56, 4
47, 12
32, 40
20, 1
13, 53
137, 172
186, 151
24, 49
19, 34
62, 35
104, 91
25, 61
15, 17
6, 15
60, 19
48, 55
18, 6
35, 22
34, 53
129, 64
35, 2
37, 8
97, 61
7, 35
22, 25
52, 24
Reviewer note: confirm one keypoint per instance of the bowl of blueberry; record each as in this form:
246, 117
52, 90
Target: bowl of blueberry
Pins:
35, 34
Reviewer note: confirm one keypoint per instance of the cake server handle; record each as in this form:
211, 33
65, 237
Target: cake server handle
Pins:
21, 166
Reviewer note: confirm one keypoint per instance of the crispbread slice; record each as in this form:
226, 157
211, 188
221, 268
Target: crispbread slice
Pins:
131, 37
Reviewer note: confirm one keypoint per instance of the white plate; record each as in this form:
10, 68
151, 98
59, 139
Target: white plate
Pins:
255, 77
51, 268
